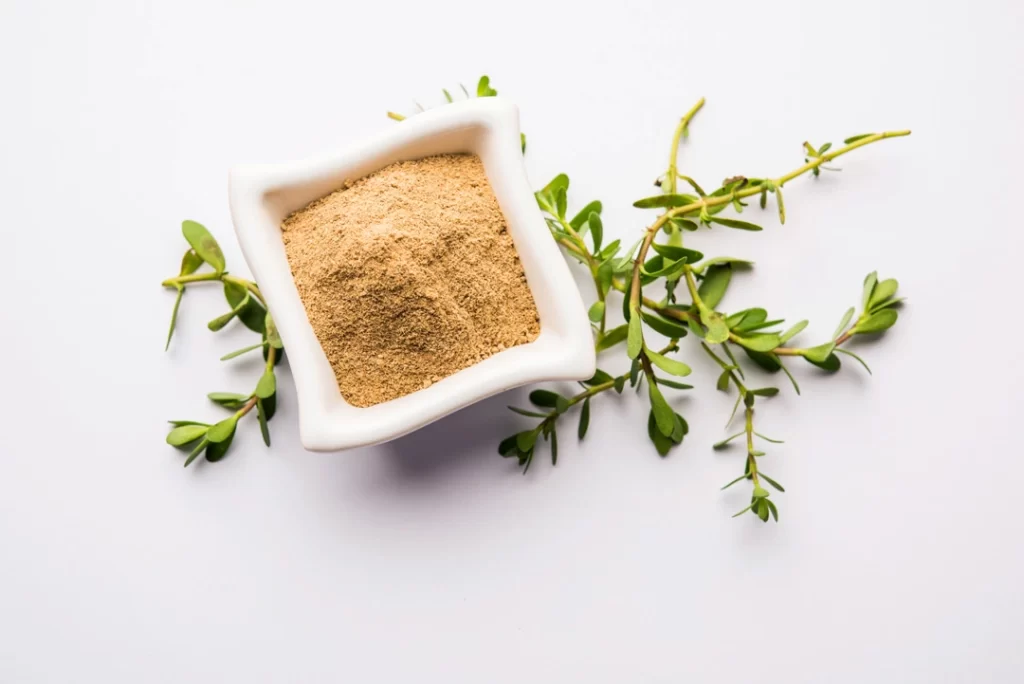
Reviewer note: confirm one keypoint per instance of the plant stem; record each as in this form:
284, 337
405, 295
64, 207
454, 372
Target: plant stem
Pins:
677, 138
181, 281
751, 459
706, 202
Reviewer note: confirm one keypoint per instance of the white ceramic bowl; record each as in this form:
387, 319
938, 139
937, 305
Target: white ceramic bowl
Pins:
263, 195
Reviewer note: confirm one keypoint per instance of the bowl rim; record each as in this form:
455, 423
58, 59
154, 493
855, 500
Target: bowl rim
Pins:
260, 195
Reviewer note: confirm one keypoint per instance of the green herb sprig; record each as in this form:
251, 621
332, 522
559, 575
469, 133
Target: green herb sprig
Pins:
703, 282
248, 306
706, 281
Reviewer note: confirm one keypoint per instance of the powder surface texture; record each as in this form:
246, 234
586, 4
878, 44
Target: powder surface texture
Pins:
409, 275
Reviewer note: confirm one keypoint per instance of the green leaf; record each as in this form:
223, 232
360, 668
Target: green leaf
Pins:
665, 201
596, 230
768, 362
664, 416
635, 337
249, 311
824, 148
185, 434
769, 439
739, 513
773, 509
174, 316
887, 303
673, 384
239, 352
554, 447
683, 224
869, 289
717, 261
546, 196
612, 338
264, 429
447, 95
666, 327
744, 476
598, 378
596, 312
660, 267
772, 482
544, 398
584, 419
270, 328
883, 291
522, 142
675, 253
693, 184
732, 358
484, 89
677, 368
528, 414
723, 381
561, 203
765, 391
718, 331
195, 452
610, 250
526, 439
792, 332
579, 220
722, 445
269, 406
830, 364
179, 423
844, 322
203, 244
760, 342
190, 263
620, 383
877, 322
820, 353
222, 430
748, 318
228, 399
267, 385
850, 353
508, 447
220, 321
782, 205
791, 378
855, 138
735, 223
215, 451
761, 509
662, 442
715, 283
679, 429
760, 492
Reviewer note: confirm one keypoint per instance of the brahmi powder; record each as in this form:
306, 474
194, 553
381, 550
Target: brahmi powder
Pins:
409, 275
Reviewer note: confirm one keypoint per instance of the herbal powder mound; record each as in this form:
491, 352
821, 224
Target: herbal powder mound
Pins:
409, 275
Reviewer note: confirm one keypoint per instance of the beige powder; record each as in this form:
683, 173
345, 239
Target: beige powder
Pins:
409, 275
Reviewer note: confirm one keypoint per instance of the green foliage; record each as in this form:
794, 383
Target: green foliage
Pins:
664, 268
247, 305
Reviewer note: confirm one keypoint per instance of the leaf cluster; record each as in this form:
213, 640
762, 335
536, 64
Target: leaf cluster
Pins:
245, 304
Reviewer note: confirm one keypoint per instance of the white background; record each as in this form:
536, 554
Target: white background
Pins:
898, 557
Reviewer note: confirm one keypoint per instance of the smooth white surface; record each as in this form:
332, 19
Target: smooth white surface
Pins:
261, 196
899, 555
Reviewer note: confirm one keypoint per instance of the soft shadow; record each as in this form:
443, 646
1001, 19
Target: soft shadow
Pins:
466, 439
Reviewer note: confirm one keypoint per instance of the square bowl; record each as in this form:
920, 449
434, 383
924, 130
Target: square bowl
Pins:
261, 196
